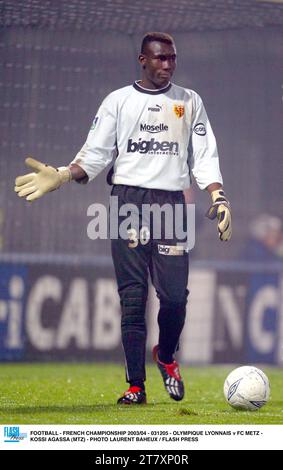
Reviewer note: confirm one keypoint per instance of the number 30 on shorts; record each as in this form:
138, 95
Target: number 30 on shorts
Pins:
135, 237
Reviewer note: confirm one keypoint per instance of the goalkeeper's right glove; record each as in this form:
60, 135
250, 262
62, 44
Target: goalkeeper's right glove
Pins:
221, 209
44, 179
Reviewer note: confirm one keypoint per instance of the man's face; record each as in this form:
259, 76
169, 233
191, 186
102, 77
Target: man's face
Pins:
159, 63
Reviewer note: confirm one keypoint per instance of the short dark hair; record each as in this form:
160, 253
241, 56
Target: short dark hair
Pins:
155, 36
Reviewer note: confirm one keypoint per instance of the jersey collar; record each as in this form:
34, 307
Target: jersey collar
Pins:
139, 88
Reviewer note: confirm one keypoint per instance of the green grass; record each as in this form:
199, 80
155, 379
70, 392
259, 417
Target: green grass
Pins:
87, 394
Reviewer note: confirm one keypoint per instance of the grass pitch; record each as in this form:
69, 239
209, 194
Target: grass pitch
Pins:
87, 394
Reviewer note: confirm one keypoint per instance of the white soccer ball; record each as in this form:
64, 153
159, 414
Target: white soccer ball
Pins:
247, 388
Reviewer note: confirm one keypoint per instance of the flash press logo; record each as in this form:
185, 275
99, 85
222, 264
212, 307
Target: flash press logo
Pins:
13, 434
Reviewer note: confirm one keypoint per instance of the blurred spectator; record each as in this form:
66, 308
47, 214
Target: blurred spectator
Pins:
266, 239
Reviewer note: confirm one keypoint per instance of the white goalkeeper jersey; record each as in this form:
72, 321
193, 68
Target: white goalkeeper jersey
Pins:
158, 138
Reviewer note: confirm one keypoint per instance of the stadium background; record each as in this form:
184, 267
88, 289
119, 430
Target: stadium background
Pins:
58, 61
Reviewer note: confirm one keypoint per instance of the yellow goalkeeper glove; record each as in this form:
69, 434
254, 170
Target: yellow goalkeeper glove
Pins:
221, 209
44, 179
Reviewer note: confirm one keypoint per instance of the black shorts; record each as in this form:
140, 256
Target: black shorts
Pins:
149, 235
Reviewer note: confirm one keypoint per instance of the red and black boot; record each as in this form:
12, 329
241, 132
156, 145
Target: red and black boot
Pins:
171, 377
133, 396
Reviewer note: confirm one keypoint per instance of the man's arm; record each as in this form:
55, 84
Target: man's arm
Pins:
204, 163
78, 174
213, 187
94, 156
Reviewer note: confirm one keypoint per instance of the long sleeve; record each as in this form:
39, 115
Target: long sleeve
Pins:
203, 155
100, 146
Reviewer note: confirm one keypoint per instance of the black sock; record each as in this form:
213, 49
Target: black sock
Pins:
166, 358
137, 383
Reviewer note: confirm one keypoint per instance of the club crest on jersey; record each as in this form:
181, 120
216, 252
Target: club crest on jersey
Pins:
179, 110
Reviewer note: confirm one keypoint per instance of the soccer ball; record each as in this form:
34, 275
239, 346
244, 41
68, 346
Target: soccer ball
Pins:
246, 388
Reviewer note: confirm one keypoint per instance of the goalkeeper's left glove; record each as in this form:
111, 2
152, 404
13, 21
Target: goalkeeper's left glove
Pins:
221, 209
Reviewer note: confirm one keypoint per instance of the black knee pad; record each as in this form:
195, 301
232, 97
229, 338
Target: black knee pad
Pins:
133, 303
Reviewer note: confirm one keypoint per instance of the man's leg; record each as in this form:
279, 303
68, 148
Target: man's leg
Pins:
131, 268
169, 270
131, 260
170, 278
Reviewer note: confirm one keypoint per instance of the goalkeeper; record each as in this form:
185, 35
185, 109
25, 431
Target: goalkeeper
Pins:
160, 135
